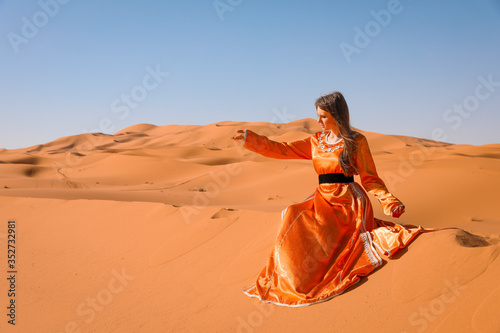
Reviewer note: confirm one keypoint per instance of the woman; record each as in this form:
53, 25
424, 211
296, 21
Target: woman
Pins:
331, 239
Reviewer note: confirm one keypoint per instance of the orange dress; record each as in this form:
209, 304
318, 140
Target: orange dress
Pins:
331, 239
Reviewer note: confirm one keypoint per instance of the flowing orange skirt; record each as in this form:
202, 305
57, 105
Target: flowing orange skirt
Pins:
324, 245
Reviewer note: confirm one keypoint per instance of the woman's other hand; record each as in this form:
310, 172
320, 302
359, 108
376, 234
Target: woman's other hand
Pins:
398, 211
239, 136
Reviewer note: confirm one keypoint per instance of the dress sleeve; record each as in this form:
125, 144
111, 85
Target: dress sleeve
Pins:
260, 144
371, 181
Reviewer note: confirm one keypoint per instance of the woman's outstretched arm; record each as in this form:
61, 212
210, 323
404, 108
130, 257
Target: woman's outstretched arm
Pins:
300, 149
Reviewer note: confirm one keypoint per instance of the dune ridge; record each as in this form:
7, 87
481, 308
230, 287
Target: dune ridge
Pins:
159, 228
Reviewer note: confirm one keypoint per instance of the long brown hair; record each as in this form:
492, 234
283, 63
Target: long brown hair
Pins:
336, 105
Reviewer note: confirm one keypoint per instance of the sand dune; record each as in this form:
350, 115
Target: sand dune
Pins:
159, 228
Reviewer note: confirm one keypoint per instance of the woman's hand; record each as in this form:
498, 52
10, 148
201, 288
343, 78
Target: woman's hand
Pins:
398, 211
239, 136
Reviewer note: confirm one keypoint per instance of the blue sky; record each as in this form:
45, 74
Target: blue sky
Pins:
407, 67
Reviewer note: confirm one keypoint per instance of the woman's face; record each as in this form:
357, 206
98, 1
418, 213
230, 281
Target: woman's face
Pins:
326, 121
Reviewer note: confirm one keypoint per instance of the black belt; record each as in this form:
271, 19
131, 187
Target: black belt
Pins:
335, 178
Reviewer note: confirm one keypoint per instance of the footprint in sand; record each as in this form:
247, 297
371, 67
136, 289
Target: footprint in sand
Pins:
196, 234
32, 171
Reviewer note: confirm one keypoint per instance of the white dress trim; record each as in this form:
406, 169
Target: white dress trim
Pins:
365, 235
300, 305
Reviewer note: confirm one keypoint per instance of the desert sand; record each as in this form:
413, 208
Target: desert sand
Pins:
159, 228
